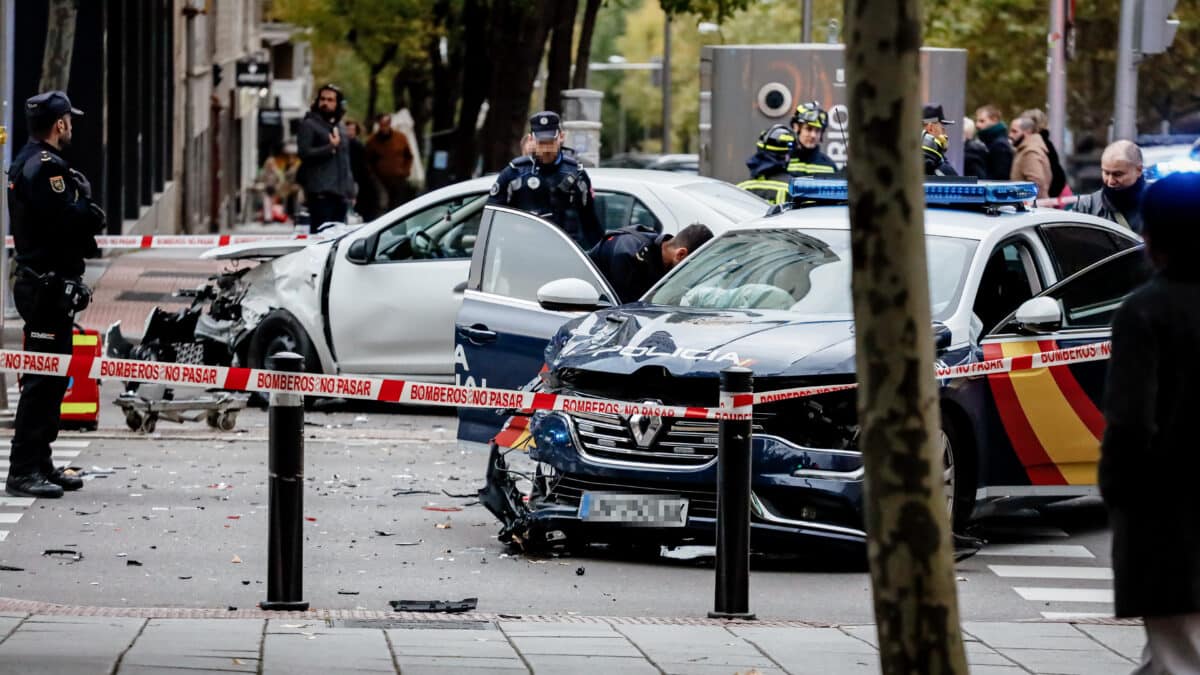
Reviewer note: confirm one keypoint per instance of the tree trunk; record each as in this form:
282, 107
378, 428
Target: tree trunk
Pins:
60, 45
908, 525
477, 72
558, 60
518, 32
583, 56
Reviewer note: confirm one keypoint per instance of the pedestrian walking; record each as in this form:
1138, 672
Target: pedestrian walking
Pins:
809, 123
634, 258
1032, 162
325, 172
1058, 179
391, 161
54, 223
1149, 457
279, 186
1120, 198
368, 201
550, 183
975, 153
992, 131
769, 177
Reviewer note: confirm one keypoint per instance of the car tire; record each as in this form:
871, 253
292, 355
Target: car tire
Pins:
278, 332
958, 473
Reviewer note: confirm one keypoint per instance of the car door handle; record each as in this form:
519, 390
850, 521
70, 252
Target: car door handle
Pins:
478, 334
459, 287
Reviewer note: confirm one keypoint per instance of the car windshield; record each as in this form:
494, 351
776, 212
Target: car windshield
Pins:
801, 271
732, 202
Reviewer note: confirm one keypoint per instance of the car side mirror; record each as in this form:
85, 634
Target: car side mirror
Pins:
359, 251
570, 295
942, 336
1039, 315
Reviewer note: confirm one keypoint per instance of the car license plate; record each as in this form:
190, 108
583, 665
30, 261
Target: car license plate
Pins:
647, 510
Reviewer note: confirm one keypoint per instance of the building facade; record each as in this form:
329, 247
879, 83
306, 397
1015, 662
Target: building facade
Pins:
168, 138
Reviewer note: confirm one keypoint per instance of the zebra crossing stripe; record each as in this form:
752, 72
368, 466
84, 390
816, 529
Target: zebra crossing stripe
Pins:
1052, 572
1037, 550
1067, 616
18, 502
58, 445
1104, 595
3, 535
10, 518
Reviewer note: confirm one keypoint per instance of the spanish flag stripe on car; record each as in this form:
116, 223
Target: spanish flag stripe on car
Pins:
1020, 432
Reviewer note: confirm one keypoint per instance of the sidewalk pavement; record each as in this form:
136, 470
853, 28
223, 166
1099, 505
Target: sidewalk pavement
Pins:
64, 640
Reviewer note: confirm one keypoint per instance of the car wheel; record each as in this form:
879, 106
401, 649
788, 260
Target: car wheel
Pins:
281, 332
957, 476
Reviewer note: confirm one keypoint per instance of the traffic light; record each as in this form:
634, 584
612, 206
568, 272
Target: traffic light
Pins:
1158, 31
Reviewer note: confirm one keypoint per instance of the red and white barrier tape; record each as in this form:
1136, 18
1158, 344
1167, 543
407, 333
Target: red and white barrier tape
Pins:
186, 240
737, 406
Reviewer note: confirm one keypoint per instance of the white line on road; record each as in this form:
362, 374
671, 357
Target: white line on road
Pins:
1066, 616
5, 442
1065, 594
3, 535
1037, 551
1051, 572
1027, 532
22, 502
10, 518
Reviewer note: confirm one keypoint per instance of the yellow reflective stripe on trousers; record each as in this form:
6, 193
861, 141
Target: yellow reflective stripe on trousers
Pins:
79, 408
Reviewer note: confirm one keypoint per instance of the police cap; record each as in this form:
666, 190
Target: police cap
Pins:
544, 125
932, 112
50, 104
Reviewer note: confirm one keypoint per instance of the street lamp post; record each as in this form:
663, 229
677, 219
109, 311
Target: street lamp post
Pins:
666, 85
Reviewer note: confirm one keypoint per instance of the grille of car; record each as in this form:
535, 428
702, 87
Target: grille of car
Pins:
677, 442
569, 488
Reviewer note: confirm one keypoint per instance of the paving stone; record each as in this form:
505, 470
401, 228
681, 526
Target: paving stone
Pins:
1070, 661
7, 623
694, 669
600, 665
998, 670
409, 665
1128, 641
979, 654
78, 644
1052, 636
797, 642
538, 629
325, 650
226, 645
575, 646
451, 642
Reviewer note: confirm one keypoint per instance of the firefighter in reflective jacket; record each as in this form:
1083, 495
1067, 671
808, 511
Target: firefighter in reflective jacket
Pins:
769, 177
809, 124
550, 183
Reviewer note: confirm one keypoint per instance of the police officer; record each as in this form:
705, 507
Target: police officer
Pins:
54, 223
769, 177
934, 141
634, 258
809, 124
550, 183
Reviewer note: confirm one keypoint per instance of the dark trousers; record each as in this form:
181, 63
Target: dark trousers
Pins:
325, 208
47, 329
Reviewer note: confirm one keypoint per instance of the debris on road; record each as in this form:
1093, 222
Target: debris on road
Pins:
236, 560
409, 543
310, 519
384, 533
443, 526
442, 509
445, 606
132, 563
10, 568
75, 556
579, 571
688, 552
347, 592
460, 495
397, 493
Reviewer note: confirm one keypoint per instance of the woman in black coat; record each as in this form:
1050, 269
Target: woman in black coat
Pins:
1150, 456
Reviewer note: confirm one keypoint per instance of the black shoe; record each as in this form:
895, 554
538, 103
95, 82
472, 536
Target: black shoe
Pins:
32, 485
65, 481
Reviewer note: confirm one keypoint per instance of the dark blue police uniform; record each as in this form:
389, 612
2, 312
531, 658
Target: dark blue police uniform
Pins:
560, 192
54, 223
631, 260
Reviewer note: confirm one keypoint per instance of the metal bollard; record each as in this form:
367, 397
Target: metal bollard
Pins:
733, 504
285, 554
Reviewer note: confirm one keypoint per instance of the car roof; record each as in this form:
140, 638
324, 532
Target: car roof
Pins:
942, 222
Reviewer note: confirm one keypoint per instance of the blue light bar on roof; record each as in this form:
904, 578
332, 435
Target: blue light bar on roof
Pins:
993, 193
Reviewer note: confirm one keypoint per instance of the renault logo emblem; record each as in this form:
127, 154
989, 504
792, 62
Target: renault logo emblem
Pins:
645, 428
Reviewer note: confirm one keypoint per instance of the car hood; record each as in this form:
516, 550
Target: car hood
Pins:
702, 342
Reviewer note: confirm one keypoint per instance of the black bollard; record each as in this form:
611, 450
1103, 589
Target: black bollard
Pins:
733, 504
285, 553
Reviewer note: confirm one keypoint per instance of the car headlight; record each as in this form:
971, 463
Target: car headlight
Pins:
550, 430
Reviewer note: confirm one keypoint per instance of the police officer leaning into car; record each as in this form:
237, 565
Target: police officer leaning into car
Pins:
809, 123
550, 183
54, 223
634, 258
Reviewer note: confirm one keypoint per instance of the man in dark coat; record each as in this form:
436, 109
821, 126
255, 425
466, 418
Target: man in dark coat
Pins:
975, 153
994, 134
325, 172
1150, 458
1119, 200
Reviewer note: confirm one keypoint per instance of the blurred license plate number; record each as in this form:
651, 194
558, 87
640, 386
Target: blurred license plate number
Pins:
649, 510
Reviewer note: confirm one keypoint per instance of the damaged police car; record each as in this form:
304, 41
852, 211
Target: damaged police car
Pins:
773, 295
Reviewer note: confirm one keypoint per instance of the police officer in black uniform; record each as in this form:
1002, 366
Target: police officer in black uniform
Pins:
809, 122
934, 142
54, 223
634, 258
550, 183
